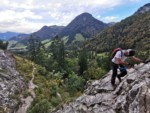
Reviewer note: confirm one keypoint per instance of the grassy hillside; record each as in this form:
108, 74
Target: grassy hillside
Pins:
52, 91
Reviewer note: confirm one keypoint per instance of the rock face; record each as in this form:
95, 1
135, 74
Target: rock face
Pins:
143, 9
11, 84
132, 95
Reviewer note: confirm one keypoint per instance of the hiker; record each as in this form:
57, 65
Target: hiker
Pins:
118, 61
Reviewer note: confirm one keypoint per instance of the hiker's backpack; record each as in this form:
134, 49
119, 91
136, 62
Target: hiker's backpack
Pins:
115, 51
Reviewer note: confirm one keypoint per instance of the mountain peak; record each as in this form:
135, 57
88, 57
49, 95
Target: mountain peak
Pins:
47, 32
84, 24
86, 14
51, 27
143, 9
44, 27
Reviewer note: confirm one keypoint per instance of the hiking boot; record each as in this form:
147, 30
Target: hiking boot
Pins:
113, 80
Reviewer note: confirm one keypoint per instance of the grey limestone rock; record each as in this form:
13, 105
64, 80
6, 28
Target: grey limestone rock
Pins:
132, 95
11, 83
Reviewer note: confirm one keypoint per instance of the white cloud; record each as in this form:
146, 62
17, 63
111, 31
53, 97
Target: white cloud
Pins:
30, 15
18, 21
22, 26
101, 3
8, 15
108, 19
134, 0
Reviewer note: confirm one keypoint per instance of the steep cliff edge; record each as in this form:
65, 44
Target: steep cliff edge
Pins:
132, 95
11, 84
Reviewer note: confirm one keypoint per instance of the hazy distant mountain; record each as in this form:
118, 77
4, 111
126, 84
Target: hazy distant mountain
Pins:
143, 9
111, 24
47, 32
19, 37
8, 35
84, 24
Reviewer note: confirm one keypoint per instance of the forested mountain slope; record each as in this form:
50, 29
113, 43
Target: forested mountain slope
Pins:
132, 32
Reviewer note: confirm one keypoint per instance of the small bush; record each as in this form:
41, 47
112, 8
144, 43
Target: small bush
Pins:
42, 107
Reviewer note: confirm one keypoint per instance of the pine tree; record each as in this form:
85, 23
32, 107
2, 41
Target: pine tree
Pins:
33, 46
61, 55
57, 51
82, 61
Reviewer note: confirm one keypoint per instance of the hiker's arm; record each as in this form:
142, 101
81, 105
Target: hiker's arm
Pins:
121, 62
124, 63
137, 59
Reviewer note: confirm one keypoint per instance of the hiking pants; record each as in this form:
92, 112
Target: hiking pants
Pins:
122, 69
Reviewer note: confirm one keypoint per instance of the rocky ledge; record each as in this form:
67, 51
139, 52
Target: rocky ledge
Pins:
11, 84
132, 95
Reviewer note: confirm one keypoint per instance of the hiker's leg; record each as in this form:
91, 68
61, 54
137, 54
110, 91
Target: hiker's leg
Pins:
123, 71
114, 73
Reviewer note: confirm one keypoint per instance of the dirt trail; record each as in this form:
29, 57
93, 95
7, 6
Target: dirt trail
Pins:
26, 102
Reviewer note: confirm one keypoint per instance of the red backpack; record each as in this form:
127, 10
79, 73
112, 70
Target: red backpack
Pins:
115, 51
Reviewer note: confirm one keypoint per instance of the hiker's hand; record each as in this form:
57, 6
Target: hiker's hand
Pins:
145, 61
130, 65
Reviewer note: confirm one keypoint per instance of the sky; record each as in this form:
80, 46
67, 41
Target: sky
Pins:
28, 16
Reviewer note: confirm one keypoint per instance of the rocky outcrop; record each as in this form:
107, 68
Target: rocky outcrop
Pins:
143, 9
11, 84
132, 95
